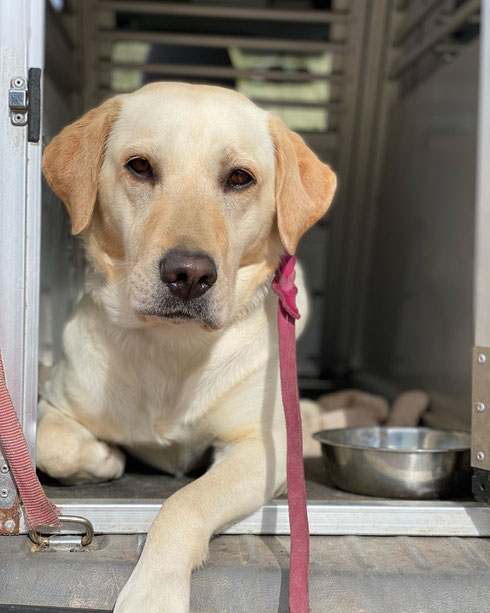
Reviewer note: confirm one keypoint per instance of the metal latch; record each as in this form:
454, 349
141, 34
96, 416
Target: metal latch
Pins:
18, 101
63, 541
25, 103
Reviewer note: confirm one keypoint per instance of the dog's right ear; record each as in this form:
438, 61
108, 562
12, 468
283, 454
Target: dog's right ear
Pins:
72, 161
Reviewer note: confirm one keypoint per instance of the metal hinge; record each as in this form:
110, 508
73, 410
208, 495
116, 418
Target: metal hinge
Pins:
9, 501
25, 103
480, 414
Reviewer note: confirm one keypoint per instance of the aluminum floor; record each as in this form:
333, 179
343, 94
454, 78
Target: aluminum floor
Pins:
248, 574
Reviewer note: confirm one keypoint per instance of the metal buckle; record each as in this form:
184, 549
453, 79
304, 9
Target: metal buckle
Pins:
86, 537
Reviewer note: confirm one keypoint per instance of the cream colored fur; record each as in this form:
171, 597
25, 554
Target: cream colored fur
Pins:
168, 389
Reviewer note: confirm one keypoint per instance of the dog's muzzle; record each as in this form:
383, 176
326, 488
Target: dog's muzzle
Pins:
183, 293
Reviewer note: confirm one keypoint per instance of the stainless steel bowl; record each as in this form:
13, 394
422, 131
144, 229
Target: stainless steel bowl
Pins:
396, 462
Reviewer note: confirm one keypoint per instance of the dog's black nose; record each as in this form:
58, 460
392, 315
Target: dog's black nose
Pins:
187, 275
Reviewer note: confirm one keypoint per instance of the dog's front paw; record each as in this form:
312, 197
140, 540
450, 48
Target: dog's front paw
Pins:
67, 451
154, 593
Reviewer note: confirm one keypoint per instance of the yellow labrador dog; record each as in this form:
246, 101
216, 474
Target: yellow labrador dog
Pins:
186, 197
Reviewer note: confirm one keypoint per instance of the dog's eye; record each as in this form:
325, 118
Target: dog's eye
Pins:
140, 166
240, 178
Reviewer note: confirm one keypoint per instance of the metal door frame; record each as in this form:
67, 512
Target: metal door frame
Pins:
22, 46
480, 410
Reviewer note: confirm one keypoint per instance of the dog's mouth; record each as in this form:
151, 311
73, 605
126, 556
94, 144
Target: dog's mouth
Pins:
176, 317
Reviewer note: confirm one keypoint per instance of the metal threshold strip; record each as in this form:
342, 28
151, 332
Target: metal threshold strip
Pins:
367, 518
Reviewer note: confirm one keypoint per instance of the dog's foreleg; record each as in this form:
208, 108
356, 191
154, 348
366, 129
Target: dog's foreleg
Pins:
247, 474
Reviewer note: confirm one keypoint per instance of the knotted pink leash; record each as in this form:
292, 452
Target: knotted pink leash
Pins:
39, 510
283, 285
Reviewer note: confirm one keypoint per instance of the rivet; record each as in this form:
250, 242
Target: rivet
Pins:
4, 468
480, 456
4, 493
480, 407
9, 525
482, 358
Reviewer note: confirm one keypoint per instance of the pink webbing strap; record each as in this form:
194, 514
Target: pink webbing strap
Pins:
285, 288
39, 510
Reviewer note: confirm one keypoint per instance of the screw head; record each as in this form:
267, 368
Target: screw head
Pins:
480, 456
480, 407
482, 358
4, 468
9, 525
19, 119
4, 493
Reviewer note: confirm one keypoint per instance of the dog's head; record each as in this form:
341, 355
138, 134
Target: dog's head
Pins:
186, 196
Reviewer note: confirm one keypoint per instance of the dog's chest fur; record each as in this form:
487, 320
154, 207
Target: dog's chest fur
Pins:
151, 388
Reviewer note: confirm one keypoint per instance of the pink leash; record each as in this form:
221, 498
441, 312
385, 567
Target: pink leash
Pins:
283, 285
39, 510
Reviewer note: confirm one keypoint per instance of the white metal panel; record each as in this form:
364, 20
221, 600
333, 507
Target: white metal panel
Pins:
417, 326
482, 255
21, 46
35, 59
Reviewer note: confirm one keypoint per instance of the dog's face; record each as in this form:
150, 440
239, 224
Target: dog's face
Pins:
186, 195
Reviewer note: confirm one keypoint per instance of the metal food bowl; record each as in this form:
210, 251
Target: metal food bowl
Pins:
398, 462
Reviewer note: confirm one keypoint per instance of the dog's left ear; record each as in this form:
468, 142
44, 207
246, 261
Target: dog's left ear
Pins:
304, 185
